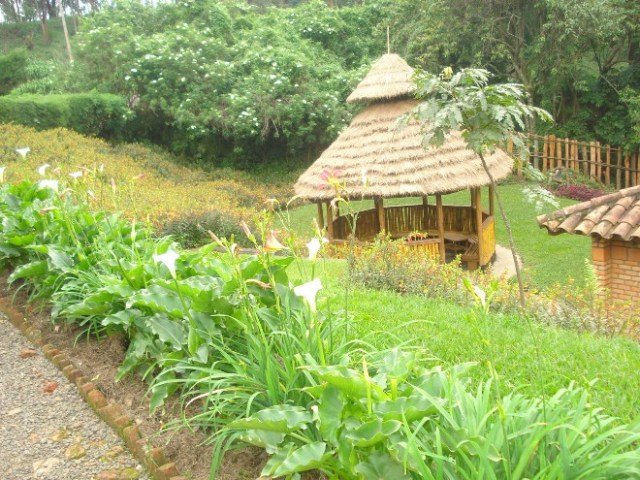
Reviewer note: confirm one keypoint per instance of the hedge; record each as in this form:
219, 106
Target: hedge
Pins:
98, 114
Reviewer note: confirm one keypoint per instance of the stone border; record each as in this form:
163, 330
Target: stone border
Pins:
153, 458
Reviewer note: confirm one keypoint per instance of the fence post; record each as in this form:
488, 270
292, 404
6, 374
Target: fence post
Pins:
607, 177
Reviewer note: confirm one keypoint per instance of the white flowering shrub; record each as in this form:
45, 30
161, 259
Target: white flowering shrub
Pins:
228, 79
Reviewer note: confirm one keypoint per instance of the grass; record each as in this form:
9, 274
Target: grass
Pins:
528, 357
547, 259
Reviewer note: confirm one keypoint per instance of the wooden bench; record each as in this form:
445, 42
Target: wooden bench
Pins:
471, 256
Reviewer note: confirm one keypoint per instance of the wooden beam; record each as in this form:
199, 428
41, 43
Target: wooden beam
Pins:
321, 224
478, 208
379, 203
492, 200
329, 221
472, 194
440, 214
425, 212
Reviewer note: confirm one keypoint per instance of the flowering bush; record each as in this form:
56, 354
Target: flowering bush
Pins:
225, 79
581, 193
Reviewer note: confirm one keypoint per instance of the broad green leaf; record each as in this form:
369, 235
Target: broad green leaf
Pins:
60, 260
330, 409
158, 300
29, 270
168, 331
281, 418
381, 466
294, 460
373, 432
350, 382
21, 240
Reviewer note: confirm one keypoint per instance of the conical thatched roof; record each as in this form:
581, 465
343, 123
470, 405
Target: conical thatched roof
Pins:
390, 77
393, 160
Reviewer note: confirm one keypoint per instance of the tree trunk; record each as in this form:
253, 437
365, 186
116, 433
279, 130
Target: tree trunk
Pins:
507, 226
66, 33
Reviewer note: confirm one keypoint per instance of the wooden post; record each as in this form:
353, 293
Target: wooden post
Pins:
599, 160
440, 214
472, 194
478, 202
492, 200
536, 160
607, 177
627, 172
425, 213
618, 168
592, 161
329, 221
545, 153
321, 224
379, 203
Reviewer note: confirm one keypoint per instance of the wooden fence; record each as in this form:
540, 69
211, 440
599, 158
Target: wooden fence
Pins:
603, 163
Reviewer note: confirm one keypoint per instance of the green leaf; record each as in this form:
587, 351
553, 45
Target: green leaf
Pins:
294, 460
159, 300
373, 432
351, 383
330, 408
60, 260
281, 418
381, 466
168, 331
21, 240
29, 270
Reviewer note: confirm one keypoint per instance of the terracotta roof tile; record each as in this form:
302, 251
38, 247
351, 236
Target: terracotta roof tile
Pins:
616, 215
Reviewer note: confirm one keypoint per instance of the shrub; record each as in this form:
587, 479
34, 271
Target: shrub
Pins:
581, 193
392, 265
97, 114
191, 229
12, 70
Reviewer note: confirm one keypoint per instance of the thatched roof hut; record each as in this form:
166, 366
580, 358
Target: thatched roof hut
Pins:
375, 158
393, 159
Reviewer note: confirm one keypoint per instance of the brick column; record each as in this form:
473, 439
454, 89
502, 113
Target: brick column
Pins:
601, 258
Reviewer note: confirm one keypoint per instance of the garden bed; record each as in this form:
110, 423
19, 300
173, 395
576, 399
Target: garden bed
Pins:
99, 359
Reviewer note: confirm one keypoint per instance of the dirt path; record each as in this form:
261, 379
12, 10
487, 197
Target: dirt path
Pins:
46, 429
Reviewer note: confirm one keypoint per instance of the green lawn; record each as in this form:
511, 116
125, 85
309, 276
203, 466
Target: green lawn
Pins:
547, 259
29, 35
444, 330
529, 357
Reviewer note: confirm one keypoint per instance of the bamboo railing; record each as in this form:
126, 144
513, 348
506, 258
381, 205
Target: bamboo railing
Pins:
602, 163
401, 221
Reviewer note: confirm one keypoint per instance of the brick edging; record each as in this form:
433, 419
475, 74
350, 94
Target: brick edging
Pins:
153, 458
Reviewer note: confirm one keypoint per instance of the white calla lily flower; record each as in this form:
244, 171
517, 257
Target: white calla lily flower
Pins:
52, 184
2, 170
168, 259
42, 169
309, 291
314, 246
23, 151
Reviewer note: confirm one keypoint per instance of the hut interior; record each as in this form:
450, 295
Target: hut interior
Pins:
376, 159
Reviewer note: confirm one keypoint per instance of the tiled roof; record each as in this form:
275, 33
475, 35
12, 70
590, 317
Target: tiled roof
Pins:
610, 216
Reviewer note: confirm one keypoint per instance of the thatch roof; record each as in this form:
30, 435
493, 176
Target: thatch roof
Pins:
390, 77
616, 215
394, 161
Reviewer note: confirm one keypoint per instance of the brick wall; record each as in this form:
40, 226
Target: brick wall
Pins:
617, 265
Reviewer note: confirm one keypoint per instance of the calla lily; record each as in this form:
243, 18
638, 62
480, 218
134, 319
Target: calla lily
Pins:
272, 244
314, 247
309, 291
2, 170
23, 151
168, 259
52, 184
76, 175
42, 169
